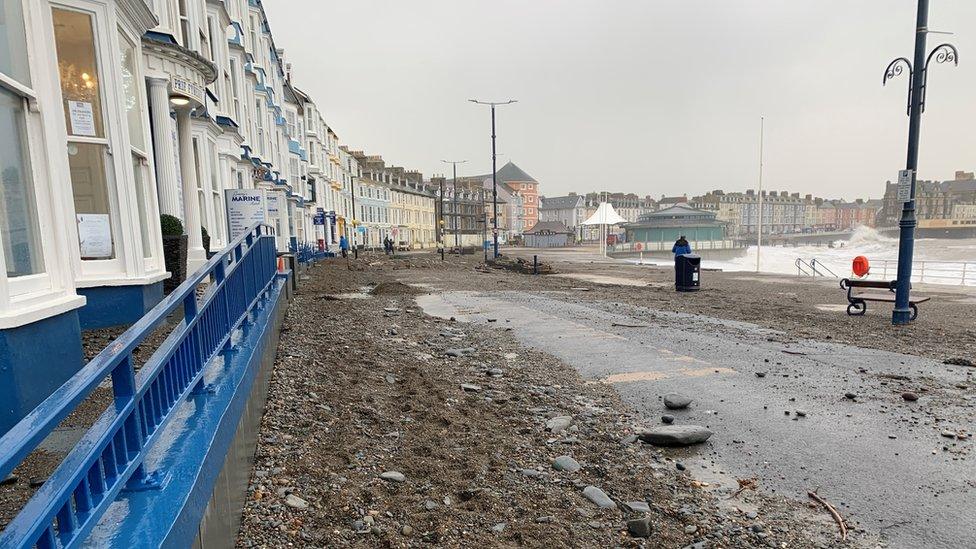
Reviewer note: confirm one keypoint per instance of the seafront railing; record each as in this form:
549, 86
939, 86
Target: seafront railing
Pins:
109, 457
657, 246
923, 271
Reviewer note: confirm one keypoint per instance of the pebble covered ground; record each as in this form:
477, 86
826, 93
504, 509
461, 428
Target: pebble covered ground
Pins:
386, 427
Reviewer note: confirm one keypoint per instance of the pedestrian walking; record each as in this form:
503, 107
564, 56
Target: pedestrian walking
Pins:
681, 246
344, 246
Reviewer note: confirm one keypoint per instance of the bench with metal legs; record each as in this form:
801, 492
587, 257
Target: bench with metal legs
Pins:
858, 302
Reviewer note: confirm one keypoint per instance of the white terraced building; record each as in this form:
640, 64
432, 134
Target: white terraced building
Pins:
113, 112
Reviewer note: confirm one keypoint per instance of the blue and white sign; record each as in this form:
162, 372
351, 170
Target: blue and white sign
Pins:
245, 207
319, 217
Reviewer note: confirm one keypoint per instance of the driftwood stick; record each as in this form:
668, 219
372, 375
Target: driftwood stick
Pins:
833, 512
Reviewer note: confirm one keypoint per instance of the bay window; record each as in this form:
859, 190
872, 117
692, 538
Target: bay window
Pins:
132, 94
88, 146
19, 233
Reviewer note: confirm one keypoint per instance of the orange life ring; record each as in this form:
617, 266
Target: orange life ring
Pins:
861, 267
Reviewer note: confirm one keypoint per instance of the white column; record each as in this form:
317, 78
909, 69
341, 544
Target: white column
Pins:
196, 256
167, 181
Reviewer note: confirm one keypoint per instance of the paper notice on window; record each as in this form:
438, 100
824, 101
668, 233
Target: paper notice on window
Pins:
82, 118
95, 236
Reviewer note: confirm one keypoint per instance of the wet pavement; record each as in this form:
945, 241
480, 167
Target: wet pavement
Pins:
882, 461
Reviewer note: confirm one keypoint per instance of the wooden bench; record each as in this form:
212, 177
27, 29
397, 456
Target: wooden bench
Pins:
857, 302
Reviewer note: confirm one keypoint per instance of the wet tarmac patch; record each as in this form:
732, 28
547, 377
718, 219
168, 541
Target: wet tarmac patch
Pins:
832, 307
656, 375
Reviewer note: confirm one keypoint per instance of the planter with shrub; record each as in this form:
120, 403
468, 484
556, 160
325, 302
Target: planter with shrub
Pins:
174, 251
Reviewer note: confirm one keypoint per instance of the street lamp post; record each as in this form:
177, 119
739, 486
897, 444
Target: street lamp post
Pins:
352, 188
457, 237
484, 225
918, 77
494, 170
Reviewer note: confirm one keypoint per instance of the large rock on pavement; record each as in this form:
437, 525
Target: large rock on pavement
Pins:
675, 435
674, 401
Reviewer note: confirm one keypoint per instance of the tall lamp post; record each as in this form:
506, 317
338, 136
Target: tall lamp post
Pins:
352, 188
918, 76
494, 170
762, 123
457, 237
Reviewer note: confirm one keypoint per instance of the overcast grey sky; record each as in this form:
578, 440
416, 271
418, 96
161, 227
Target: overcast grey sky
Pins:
646, 96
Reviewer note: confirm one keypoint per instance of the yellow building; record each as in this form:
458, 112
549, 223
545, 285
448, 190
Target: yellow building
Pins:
412, 213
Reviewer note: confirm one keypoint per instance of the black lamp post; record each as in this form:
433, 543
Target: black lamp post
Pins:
918, 76
494, 170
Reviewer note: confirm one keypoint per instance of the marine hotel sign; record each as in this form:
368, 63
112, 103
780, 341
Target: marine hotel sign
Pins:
182, 86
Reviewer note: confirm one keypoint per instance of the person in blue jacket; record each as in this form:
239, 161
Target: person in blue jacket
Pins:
681, 246
343, 245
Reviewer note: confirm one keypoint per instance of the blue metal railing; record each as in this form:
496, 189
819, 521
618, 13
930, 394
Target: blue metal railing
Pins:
109, 457
307, 252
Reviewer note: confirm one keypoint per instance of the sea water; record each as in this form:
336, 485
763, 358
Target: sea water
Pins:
936, 261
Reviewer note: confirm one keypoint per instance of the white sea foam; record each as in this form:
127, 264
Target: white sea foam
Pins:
943, 259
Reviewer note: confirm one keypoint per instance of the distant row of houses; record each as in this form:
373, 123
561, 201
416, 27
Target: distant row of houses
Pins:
782, 212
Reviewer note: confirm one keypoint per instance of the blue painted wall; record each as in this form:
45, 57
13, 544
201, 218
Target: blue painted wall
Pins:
35, 360
109, 306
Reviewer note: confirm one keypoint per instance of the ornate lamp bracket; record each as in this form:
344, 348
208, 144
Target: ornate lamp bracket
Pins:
943, 53
895, 68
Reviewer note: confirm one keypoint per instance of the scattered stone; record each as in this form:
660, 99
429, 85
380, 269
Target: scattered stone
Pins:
11, 479
430, 505
667, 419
500, 527
760, 374
674, 401
639, 527
566, 463
851, 396
679, 466
676, 435
470, 387
496, 372
801, 413
531, 473
599, 497
909, 397
296, 502
638, 506
459, 352
691, 529
559, 424
393, 476
544, 519
406, 530
948, 434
